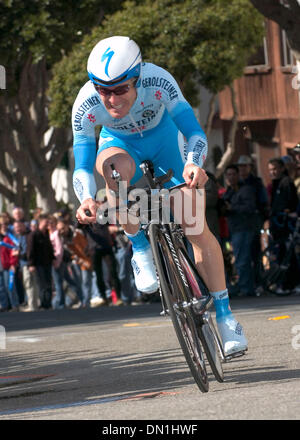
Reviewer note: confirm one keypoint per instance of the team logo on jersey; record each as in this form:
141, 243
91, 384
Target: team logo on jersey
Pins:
91, 118
147, 113
82, 109
158, 95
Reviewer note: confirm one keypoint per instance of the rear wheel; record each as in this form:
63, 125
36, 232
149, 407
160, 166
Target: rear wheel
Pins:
212, 347
182, 318
206, 329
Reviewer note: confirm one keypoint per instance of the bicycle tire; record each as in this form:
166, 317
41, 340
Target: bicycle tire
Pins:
212, 347
206, 329
183, 321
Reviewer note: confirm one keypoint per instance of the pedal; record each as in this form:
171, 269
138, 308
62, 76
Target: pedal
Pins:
237, 354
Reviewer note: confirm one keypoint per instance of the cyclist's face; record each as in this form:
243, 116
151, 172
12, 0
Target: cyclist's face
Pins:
119, 105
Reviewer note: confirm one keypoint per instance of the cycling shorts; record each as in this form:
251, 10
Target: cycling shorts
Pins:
164, 146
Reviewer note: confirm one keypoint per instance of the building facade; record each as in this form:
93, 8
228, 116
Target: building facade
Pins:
267, 99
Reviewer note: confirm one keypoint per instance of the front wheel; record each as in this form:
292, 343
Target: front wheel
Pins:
182, 319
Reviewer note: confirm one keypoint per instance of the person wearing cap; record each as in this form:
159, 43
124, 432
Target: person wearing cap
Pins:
144, 116
246, 176
296, 151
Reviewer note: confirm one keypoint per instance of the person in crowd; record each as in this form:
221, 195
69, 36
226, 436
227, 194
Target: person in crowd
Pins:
290, 165
58, 301
296, 154
3, 294
83, 256
33, 225
283, 203
123, 254
246, 175
240, 211
283, 198
19, 215
28, 278
70, 270
104, 262
9, 263
40, 257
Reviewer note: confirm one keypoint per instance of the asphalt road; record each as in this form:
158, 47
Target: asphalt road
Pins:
124, 363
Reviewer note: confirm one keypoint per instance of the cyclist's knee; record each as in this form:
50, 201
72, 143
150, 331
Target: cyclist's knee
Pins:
121, 161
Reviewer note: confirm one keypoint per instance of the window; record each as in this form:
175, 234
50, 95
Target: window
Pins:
260, 57
285, 51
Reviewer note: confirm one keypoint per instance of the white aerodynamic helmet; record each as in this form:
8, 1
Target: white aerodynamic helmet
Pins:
113, 61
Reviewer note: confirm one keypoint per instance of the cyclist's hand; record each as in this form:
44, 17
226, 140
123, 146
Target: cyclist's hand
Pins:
88, 206
194, 176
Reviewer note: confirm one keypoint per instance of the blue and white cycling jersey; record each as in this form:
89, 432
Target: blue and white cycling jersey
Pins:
152, 129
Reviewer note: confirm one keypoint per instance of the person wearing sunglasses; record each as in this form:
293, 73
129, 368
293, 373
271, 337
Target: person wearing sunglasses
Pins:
144, 115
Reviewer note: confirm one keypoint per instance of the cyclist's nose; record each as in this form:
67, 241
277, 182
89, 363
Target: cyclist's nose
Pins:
115, 99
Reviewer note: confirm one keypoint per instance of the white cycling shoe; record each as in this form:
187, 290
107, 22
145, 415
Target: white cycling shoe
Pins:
232, 335
144, 271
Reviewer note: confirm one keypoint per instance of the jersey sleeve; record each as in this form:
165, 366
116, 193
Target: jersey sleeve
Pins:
183, 115
84, 148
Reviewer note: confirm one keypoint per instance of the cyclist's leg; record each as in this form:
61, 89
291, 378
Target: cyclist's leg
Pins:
210, 263
126, 161
207, 251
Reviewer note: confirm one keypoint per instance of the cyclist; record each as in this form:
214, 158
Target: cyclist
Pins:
144, 115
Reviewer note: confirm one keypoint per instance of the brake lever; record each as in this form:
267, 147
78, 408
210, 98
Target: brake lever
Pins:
165, 178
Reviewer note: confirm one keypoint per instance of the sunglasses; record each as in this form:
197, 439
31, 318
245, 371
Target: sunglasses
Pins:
120, 90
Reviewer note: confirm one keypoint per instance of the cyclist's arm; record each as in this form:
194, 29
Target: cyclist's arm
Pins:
85, 157
183, 116
187, 123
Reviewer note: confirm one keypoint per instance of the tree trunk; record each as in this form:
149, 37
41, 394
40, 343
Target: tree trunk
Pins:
231, 145
210, 116
27, 158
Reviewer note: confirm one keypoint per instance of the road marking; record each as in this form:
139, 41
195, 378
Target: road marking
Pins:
277, 318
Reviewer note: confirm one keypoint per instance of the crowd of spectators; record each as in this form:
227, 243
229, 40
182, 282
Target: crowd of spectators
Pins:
49, 262
246, 216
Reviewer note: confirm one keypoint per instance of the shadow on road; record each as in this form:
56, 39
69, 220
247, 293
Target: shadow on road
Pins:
13, 321
62, 379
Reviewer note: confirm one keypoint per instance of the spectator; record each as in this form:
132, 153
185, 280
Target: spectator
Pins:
70, 271
9, 262
18, 214
240, 210
33, 225
283, 198
58, 301
28, 277
40, 256
82, 254
247, 177
104, 261
283, 201
123, 254
3, 294
290, 166
296, 153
